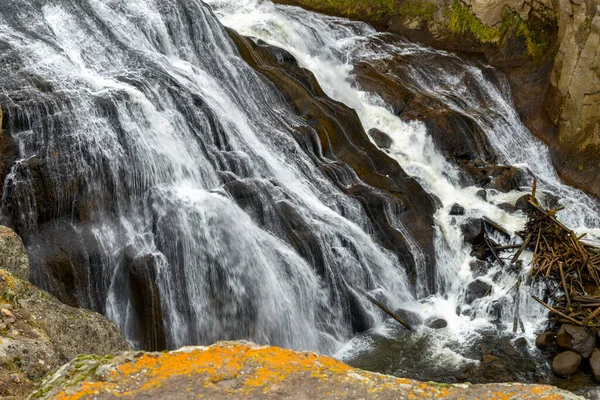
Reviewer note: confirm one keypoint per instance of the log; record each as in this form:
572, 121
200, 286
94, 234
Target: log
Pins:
521, 248
496, 226
556, 311
385, 309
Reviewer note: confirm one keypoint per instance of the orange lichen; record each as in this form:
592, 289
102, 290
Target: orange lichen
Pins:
263, 369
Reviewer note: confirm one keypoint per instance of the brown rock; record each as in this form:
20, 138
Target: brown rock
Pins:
566, 363
595, 363
576, 338
6, 313
544, 340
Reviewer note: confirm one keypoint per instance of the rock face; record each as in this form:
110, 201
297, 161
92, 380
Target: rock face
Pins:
574, 99
339, 130
13, 257
38, 333
246, 371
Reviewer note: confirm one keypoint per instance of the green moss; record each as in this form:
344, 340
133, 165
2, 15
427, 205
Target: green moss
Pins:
464, 21
417, 9
537, 33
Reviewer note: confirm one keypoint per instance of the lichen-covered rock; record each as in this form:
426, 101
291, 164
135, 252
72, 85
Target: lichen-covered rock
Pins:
13, 257
38, 334
244, 370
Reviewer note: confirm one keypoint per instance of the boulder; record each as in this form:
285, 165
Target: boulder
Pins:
410, 317
477, 290
436, 323
544, 340
482, 194
381, 139
479, 267
457, 209
40, 334
595, 363
523, 202
509, 208
566, 363
576, 338
473, 231
13, 257
242, 370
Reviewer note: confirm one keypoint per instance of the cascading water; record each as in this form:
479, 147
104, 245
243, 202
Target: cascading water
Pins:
330, 47
145, 142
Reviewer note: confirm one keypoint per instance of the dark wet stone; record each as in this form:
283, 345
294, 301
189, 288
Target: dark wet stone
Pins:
509, 208
436, 323
410, 317
477, 290
482, 194
566, 363
382, 139
457, 209
523, 202
544, 340
473, 231
145, 300
576, 338
521, 343
479, 267
481, 252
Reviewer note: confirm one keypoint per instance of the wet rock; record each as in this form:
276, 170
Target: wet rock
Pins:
482, 194
8, 151
473, 231
481, 252
509, 208
576, 338
521, 343
382, 139
411, 317
436, 323
479, 268
457, 209
145, 302
336, 133
595, 363
477, 290
545, 340
566, 363
523, 202
13, 257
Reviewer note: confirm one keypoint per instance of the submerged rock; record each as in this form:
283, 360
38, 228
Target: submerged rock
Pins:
381, 138
477, 290
576, 338
473, 231
243, 370
436, 323
566, 363
457, 209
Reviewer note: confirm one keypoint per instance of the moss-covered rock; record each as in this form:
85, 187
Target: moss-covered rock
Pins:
244, 370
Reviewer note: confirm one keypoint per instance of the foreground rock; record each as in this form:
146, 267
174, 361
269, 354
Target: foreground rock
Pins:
244, 370
37, 332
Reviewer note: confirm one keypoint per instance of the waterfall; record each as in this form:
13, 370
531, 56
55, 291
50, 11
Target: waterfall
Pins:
331, 47
150, 153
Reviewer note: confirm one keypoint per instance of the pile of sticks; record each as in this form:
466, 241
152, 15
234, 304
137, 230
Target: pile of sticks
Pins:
562, 259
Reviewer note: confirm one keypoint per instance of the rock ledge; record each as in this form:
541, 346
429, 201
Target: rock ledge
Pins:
245, 370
